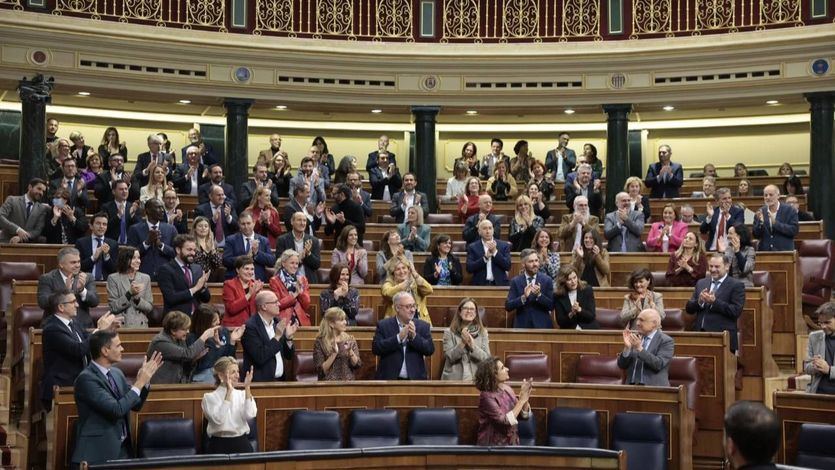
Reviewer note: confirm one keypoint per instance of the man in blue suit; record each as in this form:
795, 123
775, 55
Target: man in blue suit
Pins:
720, 218
182, 281
775, 224
105, 399
531, 295
718, 300
153, 238
97, 252
488, 259
664, 178
223, 218
267, 341
247, 242
402, 341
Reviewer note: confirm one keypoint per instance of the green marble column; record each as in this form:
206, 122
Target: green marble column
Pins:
236, 166
821, 154
617, 150
424, 161
34, 96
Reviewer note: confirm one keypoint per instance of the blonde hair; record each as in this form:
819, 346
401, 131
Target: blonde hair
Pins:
221, 366
633, 179
258, 192
418, 212
521, 220
207, 243
326, 331
698, 250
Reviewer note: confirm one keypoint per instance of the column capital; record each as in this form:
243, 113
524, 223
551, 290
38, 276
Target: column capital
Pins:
36, 90
426, 112
237, 104
617, 111
820, 96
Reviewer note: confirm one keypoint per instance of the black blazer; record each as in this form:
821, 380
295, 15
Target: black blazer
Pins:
260, 351
72, 230
311, 262
456, 274
353, 216
85, 250
175, 290
291, 208
113, 220
181, 181
390, 351
229, 228
248, 190
723, 314
142, 162
203, 193
585, 319
64, 356
103, 188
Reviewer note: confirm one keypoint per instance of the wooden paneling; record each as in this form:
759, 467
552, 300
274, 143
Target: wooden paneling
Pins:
277, 402
796, 408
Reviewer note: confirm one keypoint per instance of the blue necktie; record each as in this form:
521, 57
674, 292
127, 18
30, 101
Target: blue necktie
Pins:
28, 209
118, 395
623, 238
97, 268
123, 225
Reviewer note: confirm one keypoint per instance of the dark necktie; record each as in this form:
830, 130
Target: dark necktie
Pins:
28, 209
70, 185
246, 245
123, 224
219, 225
187, 273
115, 389
98, 268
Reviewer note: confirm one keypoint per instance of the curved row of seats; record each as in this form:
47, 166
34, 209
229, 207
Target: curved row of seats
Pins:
642, 435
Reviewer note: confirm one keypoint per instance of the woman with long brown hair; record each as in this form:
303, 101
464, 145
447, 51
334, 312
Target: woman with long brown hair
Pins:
465, 343
265, 215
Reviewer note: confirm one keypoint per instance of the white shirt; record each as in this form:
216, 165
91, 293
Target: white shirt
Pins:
408, 200
404, 372
66, 322
279, 362
558, 173
718, 215
299, 245
489, 262
228, 418
81, 295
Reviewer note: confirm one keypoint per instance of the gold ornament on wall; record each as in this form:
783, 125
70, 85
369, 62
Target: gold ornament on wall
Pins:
581, 18
651, 17
394, 19
520, 19
779, 12
149, 10
462, 20
715, 14
207, 13
274, 16
334, 17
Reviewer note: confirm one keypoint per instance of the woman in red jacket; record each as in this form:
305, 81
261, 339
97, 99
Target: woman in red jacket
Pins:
239, 293
292, 290
265, 216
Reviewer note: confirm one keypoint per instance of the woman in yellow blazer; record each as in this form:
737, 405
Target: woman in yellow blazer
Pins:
402, 277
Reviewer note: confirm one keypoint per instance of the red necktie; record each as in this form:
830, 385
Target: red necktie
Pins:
720, 229
219, 226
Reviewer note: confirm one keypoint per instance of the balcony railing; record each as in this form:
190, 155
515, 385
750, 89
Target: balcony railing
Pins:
458, 21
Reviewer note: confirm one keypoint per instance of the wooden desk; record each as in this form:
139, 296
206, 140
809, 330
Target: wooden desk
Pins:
796, 408
277, 402
751, 202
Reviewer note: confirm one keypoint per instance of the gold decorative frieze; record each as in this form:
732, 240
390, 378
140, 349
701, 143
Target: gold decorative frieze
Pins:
715, 14
150, 10
462, 19
779, 12
652, 17
581, 18
520, 19
207, 13
394, 19
334, 17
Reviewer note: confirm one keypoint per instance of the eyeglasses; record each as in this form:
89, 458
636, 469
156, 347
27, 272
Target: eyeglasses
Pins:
69, 302
408, 307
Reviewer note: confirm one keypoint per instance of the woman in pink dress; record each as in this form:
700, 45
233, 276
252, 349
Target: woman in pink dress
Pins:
666, 236
499, 409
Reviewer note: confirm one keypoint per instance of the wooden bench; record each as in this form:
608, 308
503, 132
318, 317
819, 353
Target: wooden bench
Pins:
796, 408
276, 403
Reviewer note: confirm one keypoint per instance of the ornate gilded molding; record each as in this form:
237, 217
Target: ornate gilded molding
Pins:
274, 16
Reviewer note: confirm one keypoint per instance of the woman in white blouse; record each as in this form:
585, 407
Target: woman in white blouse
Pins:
227, 410
457, 185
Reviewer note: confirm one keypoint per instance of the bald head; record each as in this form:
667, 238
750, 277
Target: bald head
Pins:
648, 321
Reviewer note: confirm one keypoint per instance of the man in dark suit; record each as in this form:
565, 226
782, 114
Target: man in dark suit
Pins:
105, 185
98, 253
647, 353
664, 178
775, 224
267, 341
23, 218
752, 435
223, 218
105, 399
298, 203
66, 348
182, 281
531, 294
305, 244
384, 177
73, 182
402, 341
623, 227
205, 151
561, 160
190, 175
68, 276
359, 195
216, 179
488, 259
583, 185
314, 180
172, 213
720, 218
802, 216
373, 157
485, 212
409, 196
121, 213
718, 300
345, 212
261, 178
247, 242
153, 238
147, 162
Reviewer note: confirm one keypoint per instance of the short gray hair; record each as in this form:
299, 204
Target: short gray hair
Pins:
155, 138
287, 254
396, 299
66, 251
583, 166
527, 252
722, 191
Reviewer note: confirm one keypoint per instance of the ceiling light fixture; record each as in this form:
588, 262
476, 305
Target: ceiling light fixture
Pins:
668, 108
185, 101
280, 107
471, 112
376, 111
569, 111
83, 93
772, 102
